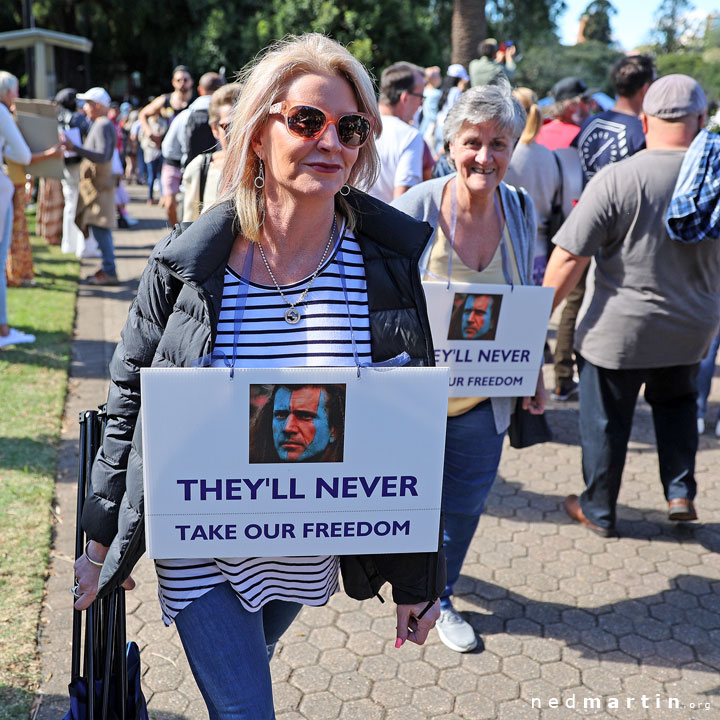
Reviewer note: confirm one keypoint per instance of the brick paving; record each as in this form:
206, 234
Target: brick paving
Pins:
573, 625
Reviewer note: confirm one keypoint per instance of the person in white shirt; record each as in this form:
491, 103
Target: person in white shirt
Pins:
13, 147
400, 145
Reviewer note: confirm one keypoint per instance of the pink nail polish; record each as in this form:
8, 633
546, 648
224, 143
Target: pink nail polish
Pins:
398, 643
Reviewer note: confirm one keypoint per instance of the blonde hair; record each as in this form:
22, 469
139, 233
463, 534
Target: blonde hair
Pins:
264, 82
528, 99
225, 95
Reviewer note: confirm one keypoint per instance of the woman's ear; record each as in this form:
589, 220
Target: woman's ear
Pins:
257, 146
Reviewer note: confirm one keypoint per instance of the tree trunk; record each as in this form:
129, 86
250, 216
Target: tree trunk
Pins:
468, 29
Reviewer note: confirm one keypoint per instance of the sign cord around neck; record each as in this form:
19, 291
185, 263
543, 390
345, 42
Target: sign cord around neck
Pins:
398, 361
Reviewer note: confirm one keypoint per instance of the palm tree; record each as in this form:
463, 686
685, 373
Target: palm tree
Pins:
468, 29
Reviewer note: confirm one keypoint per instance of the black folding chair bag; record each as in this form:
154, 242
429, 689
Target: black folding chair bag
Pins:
102, 659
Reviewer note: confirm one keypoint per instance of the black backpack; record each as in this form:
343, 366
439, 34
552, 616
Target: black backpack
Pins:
198, 134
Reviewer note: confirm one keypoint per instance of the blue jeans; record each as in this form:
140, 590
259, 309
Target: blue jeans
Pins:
472, 456
705, 376
607, 406
226, 647
6, 227
153, 171
105, 243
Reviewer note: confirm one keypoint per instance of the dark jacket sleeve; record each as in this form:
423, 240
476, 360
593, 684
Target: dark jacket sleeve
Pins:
140, 336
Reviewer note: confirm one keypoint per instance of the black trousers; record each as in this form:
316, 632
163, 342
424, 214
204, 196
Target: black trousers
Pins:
607, 406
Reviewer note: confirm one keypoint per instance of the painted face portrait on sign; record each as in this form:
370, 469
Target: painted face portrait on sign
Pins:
301, 427
474, 317
477, 316
300, 423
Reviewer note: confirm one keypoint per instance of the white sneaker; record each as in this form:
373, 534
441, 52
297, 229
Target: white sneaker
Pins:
701, 426
717, 428
456, 633
15, 337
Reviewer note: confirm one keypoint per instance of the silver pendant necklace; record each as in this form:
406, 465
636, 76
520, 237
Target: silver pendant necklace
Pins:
292, 314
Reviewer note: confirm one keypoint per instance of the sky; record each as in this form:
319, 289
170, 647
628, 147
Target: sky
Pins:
632, 23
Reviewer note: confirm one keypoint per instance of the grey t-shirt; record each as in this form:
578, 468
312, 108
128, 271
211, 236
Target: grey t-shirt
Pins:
100, 141
656, 301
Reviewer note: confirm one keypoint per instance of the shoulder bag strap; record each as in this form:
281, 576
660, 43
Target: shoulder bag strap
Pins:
204, 167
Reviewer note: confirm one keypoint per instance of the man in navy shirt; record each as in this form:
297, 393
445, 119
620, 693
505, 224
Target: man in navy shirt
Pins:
616, 134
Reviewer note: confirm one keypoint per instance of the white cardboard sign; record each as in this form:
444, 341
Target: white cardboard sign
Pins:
350, 465
492, 337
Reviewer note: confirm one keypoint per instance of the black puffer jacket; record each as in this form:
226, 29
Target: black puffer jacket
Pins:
173, 321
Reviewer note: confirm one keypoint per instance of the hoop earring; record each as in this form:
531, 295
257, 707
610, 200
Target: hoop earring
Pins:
345, 190
260, 178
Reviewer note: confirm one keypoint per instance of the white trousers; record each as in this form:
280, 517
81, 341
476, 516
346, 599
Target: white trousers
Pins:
73, 241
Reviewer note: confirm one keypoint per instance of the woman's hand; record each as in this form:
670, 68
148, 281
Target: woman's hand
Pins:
536, 404
87, 575
55, 151
409, 627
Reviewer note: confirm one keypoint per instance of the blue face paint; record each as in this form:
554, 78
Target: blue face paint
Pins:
301, 426
477, 316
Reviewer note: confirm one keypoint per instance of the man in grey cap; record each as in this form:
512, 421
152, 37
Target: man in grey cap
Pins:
654, 311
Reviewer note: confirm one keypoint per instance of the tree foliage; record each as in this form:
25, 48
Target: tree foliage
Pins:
542, 66
530, 23
597, 21
671, 23
704, 67
132, 36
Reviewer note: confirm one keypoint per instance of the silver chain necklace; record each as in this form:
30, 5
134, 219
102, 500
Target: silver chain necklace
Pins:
292, 315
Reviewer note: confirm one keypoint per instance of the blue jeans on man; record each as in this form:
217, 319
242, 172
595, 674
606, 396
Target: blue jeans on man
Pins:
607, 405
105, 243
705, 376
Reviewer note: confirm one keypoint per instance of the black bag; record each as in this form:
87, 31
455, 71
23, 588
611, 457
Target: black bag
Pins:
527, 429
107, 686
198, 135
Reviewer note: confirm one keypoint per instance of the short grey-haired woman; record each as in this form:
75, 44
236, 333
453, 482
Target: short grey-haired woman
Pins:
484, 233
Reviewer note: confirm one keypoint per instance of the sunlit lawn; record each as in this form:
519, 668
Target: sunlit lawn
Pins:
33, 380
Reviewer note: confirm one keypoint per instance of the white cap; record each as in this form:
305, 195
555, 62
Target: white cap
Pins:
458, 71
96, 94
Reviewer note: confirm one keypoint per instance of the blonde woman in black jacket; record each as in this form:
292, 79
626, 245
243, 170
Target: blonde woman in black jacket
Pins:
302, 134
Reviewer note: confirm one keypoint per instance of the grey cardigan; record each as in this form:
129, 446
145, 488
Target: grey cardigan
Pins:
422, 202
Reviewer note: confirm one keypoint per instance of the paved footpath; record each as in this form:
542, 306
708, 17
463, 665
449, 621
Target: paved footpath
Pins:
573, 625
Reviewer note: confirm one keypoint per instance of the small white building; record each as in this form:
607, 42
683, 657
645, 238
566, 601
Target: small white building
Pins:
43, 43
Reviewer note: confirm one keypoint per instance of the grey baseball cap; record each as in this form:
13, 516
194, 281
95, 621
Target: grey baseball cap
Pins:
674, 96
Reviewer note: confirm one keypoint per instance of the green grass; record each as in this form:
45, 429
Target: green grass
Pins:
33, 380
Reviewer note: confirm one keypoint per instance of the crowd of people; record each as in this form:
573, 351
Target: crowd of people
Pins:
352, 199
